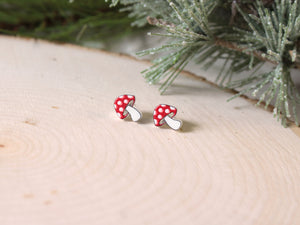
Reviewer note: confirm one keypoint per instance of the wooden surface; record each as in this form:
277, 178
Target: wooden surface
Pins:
65, 157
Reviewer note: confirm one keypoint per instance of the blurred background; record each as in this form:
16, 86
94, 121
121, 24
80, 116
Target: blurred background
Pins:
91, 23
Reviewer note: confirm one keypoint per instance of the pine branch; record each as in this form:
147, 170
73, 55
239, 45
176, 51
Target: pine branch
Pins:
252, 33
222, 43
230, 45
259, 55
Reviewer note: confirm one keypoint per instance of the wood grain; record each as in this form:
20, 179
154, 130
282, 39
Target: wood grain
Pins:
65, 158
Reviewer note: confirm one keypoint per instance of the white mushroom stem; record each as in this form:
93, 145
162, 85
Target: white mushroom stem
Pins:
134, 113
174, 124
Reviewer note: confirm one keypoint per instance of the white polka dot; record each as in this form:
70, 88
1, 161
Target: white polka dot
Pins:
172, 108
122, 96
160, 110
125, 101
115, 105
163, 105
130, 96
119, 103
159, 116
154, 113
121, 109
167, 111
155, 121
119, 115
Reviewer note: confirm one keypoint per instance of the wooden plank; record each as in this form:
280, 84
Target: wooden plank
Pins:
65, 158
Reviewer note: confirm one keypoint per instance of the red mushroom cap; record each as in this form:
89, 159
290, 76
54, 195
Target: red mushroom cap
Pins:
161, 111
121, 103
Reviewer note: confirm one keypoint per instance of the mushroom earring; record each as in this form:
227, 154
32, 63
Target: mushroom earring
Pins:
163, 114
124, 107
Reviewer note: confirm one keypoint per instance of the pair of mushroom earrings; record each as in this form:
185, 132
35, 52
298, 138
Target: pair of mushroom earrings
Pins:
163, 114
